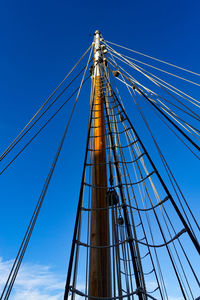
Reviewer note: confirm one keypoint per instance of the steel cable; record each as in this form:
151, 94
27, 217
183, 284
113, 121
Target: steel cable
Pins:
17, 263
11, 145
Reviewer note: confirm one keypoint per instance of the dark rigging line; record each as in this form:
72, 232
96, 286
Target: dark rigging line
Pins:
157, 80
166, 166
170, 255
142, 114
178, 107
182, 290
147, 98
172, 129
117, 141
67, 286
154, 58
145, 234
173, 114
123, 158
180, 130
172, 174
139, 281
164, 89
160, 153
38, 206
195, 242
48, 107
3, 154
26, 145
169, 252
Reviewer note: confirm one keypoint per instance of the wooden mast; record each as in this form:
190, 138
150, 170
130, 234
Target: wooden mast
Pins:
99, 272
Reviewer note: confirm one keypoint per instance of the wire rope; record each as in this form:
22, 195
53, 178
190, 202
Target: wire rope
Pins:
17, 263
162, 61
11, 145
38, 132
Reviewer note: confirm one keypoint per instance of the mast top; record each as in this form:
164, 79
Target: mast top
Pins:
97, 32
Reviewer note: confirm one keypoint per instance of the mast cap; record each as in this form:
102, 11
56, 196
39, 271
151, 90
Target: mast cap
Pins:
97, 32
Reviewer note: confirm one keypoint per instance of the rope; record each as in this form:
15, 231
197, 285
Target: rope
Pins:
139, 290
119, 162
182, 208
121, 184
17, 263
177, 212
155, 106
182, 78
80, 202
133, 252
143, 147
166, 108
180, 130
110, 147
36, 134
169, 173
9, 148
33, 124
162, 61
140, 69
128, 205
137, 241
193, 115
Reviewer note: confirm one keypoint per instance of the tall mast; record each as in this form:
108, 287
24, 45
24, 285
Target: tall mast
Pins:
121, 259
99, 271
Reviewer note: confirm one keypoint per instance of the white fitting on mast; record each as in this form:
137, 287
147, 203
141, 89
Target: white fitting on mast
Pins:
98, 59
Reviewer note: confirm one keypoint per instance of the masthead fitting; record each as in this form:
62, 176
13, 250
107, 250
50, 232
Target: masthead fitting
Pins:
97, 32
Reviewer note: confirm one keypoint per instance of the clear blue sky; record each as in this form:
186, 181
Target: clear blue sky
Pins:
40, 41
